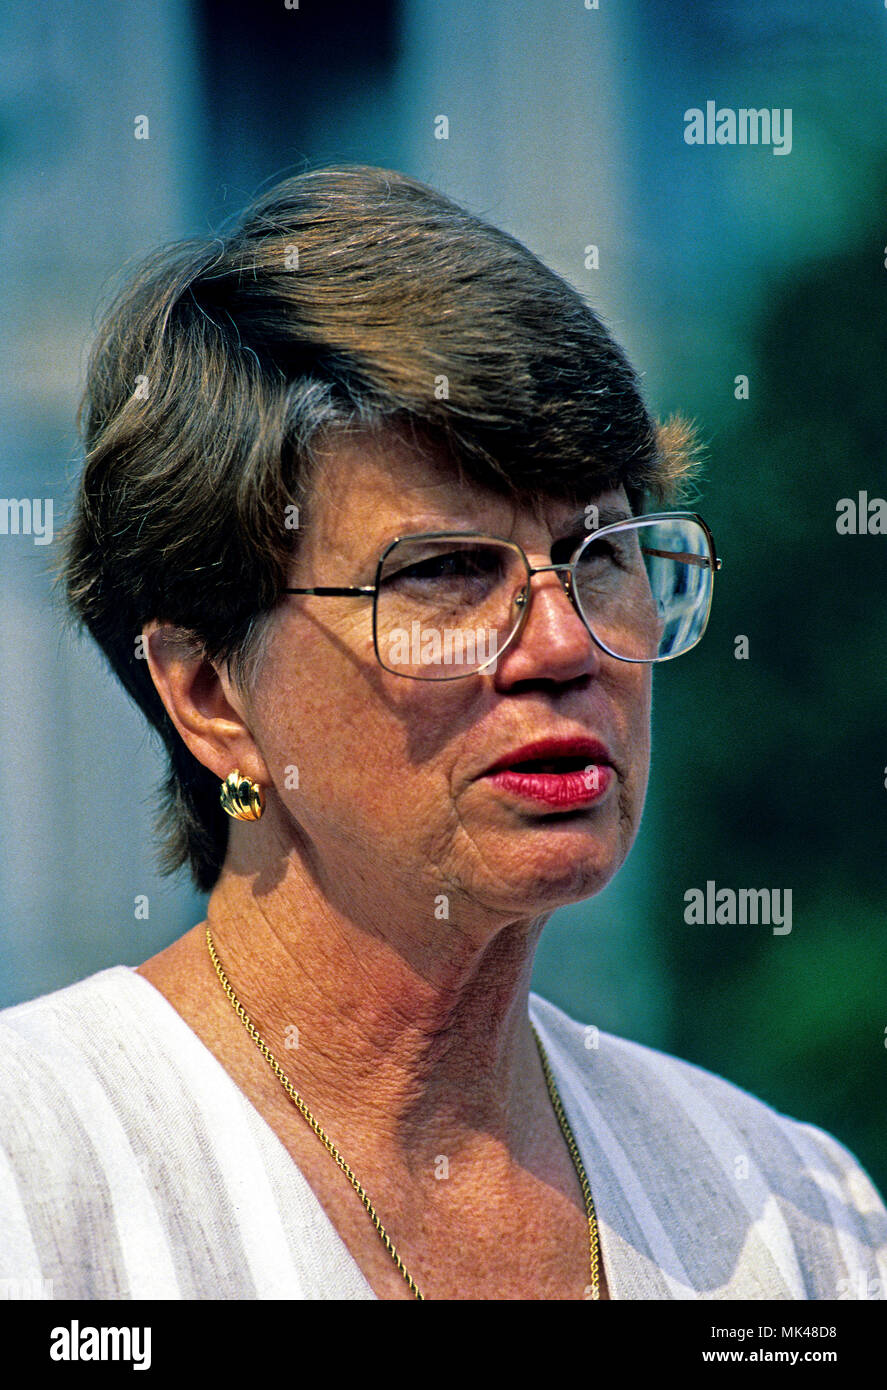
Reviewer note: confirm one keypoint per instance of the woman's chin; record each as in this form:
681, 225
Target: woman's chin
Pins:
563, 864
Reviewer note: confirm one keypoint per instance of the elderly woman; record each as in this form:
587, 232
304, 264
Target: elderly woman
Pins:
370, 529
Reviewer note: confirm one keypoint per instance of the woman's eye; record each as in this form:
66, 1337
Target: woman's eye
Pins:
601, 554
451, 565
613, 553
440, 566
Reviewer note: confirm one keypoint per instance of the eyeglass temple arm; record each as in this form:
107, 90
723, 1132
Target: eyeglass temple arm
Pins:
688, 559
333, 592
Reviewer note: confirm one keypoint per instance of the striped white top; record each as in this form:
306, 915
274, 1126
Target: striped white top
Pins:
131, 1166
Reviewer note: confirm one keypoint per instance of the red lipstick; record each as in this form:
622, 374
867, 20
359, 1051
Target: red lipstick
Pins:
562, 773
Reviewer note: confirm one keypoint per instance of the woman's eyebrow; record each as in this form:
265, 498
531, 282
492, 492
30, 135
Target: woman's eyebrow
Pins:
414, 526
577, 525
429, 525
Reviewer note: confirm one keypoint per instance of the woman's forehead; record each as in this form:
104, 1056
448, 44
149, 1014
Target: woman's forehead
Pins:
376, 487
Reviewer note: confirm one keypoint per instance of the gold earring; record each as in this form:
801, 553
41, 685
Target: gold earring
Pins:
241, 797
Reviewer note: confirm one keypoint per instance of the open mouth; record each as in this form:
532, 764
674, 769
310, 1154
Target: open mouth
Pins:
561, 774
555, 766
556, 756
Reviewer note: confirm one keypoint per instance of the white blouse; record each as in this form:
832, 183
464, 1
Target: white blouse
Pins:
131, 1166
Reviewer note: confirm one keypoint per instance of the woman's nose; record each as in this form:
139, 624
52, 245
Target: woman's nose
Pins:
553, 642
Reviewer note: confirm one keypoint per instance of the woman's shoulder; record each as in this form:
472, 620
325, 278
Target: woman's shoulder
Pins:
95, 1047
621, 1074
132, 1166
116, 980
662, 1123
103, 1012
63, 1017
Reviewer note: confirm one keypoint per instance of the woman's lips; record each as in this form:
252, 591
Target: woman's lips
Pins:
532, 772
564, 790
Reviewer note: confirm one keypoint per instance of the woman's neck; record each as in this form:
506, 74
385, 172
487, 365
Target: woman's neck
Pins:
414, 1030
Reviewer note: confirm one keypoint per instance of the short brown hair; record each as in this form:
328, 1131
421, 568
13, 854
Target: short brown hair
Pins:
347, 295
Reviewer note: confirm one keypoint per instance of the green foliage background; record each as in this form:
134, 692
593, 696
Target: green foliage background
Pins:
772, 771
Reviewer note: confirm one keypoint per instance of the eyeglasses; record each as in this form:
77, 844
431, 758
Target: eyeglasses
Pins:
446, 604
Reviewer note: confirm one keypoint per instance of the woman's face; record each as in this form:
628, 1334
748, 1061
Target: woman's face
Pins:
394, 797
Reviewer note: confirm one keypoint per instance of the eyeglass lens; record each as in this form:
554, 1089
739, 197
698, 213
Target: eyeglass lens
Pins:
446, 607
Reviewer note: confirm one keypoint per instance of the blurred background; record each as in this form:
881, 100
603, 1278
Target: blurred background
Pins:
749, 290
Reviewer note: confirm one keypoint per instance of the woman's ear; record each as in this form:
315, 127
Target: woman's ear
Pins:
202, 702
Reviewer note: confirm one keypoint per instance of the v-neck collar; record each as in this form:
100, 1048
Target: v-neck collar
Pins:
216, 1074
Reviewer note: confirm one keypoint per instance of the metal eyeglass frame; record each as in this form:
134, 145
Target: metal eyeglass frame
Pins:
521, 598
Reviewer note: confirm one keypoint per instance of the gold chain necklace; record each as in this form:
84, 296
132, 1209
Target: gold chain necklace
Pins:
294, 1096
